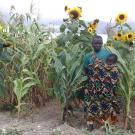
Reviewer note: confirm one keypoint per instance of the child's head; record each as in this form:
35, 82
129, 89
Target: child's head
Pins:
111, 59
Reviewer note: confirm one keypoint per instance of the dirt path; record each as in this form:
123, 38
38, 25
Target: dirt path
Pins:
45, 121
41, 123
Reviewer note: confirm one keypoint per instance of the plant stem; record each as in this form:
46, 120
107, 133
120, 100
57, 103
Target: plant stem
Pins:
127, 109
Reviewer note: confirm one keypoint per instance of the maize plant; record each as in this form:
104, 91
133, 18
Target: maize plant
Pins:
23, 85
31, 41
68, 72
122, 43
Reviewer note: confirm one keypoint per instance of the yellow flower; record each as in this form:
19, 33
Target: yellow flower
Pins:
121, 18
124, 38
130, 36
94, 24
119, 35
75, 13
115, 37
134, 34
91, 26
90, 30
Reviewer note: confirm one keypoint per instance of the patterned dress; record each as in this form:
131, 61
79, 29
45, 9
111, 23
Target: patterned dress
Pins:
100, 92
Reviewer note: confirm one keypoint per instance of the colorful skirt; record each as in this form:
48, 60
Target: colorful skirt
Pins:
100, 93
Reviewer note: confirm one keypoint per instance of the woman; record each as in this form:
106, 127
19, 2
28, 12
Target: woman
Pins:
100, 96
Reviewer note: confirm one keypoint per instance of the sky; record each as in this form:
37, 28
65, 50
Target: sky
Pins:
54, 9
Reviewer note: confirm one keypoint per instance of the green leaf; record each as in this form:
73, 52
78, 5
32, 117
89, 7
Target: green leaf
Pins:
83, 78
27, 87
40, 48
81, 22
73, 27
18, 88
68, 37
58, 66
2, 90
62, 28
128, 26
73, 70
78, 74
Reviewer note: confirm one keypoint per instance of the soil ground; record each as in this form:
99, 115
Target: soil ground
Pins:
47, 121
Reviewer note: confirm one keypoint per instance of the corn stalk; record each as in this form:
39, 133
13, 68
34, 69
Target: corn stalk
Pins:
126, 69
23, 85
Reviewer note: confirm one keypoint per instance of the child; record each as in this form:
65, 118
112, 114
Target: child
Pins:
111, 59
113, 75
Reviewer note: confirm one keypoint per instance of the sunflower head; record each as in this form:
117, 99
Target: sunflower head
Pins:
90, 25
115, 37
134, 34
130, 36
90, 30
124, 38
121, 18
75, 13
119, 35
94, 24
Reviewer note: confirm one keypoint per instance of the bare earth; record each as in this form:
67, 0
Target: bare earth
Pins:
46, 121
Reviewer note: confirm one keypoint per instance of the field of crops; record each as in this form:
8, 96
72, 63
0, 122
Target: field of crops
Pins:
37, 70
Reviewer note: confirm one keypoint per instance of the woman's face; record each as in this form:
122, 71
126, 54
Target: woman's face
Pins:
97, 44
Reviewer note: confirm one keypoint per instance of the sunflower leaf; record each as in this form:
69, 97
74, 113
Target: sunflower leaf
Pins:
128, 26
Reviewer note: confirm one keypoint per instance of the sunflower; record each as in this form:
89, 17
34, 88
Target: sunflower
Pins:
130, 36
90, 30
115, 37
94, 24
124, 38
119, 35
121, 18
134, 34
91, 26
75, 13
